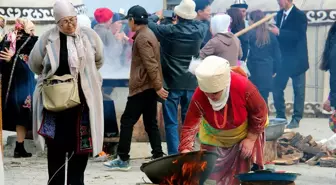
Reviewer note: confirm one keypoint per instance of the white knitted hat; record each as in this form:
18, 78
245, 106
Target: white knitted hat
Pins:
213, 74
186, 9
63, 8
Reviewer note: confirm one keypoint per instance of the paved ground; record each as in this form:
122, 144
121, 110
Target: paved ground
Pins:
34, 171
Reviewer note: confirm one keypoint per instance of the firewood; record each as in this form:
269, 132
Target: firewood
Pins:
316, 159
313, 143
271, 151
311, 150
307, 139
328, 162
296, 139
288, 136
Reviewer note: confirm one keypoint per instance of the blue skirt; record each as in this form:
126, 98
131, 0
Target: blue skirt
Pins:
18, 108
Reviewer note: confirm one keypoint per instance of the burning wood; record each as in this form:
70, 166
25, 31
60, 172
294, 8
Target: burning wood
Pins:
191, 172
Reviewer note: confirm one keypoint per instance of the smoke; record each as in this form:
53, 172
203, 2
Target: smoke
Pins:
116, 51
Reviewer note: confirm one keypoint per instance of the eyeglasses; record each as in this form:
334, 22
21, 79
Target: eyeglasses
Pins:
69, 21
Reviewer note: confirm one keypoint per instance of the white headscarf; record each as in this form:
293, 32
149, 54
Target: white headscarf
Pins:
220, 23
214, 75
84, 20
63, 8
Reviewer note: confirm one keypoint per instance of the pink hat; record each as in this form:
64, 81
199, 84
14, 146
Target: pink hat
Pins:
102, 15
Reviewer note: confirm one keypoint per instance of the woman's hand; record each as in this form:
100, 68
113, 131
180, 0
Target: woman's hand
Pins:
326, 106
120, 36
6, 55
246, 147
185, 151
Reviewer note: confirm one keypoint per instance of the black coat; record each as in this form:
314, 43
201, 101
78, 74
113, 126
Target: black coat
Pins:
208, 34
263, 62
244, 42
179, 43
332, 70
293, 42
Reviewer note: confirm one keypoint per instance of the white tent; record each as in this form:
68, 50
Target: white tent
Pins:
40, 12
320, 14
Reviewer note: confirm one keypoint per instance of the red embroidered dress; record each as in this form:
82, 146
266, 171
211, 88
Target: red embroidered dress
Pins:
222, 131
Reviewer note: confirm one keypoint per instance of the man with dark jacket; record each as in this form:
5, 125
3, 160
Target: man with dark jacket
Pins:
291, 30
145, 85
179, 44
203, 10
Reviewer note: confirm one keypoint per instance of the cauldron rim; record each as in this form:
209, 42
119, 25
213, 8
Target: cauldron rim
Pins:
176, 156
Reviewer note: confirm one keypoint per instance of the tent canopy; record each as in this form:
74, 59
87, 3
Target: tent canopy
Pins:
272, 5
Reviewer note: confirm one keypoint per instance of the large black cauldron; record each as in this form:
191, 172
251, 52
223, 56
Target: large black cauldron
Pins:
159, 169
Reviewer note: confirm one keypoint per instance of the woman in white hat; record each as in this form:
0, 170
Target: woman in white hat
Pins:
230, 116
73, 132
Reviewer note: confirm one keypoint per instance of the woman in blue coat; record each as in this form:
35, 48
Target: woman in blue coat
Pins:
17, 82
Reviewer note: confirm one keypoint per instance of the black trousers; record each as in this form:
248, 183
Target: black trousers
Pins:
56, 165
144, 103
280, 83
265, 95
65, 142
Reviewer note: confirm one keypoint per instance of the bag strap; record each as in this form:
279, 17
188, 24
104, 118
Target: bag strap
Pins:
13, 68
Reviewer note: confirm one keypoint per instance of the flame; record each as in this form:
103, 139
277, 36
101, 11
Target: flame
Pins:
190, 172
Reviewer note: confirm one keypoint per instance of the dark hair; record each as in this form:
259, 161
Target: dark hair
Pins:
330, 42
263, 37
238, 22
201, 4
138, 21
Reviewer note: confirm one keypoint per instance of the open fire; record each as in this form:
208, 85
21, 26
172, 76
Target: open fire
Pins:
189, 174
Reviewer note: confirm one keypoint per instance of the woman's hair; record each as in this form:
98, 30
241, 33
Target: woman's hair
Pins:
328, 48
262, 33
237, 22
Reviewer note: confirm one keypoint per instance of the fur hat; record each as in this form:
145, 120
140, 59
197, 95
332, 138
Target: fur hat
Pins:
186, 9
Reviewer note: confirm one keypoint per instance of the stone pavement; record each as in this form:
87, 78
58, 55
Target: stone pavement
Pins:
34, 171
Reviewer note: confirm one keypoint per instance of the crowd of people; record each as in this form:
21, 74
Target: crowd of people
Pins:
193, 63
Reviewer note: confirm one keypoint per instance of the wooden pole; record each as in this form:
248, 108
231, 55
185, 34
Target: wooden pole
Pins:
165, 4
262, 21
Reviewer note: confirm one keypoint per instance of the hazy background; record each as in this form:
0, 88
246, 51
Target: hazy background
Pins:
150, 5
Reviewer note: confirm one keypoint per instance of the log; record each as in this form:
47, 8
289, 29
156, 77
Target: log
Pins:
271, 151
262, 21
269, 183
329, 162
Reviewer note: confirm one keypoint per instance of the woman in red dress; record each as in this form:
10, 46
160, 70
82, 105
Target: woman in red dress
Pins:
230, 116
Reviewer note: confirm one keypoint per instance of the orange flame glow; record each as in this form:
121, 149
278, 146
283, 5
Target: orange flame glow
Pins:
190, 172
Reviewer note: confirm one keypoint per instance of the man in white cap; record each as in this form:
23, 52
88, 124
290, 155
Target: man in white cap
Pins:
179, 44
230, 115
